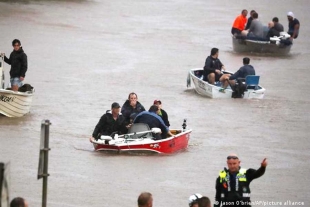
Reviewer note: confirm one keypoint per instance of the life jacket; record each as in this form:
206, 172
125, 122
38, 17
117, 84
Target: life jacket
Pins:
240, 193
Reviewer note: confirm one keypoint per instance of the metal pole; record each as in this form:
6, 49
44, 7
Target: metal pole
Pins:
45, 167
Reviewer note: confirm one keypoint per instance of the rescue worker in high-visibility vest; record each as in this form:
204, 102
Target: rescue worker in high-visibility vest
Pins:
233, 184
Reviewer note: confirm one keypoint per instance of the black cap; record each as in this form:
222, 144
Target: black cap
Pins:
115, 105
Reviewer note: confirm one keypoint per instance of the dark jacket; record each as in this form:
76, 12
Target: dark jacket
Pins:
18, 62
107, 125
211, 65
272, 32
243, 72
153, 120
164, 116
248, 24
235, 187
128, 110
279, 27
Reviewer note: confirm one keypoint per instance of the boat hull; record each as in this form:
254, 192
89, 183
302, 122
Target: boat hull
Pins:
15, 104
170, 145
205, 89
252, 46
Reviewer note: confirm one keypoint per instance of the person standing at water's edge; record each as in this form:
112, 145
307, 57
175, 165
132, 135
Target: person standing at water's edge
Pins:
19, 65
233, 184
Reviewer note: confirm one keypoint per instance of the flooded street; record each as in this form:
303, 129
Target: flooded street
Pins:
84, 55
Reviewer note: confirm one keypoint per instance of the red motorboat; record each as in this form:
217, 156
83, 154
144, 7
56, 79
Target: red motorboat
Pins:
141, 139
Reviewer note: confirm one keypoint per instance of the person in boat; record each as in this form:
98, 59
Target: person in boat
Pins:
272, 32
239, 23
248, 24
293, 26
152, 119
213, 66
111, 122
256, 30
233, 184
19, 65
244, 71
277, 25
131, 107
145, 199
162, 113
19, 202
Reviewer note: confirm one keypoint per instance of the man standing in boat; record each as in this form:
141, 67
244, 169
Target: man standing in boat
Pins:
19, 65
213, 66
233, 184
111, 121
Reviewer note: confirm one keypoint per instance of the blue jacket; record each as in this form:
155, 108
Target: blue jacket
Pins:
243, 72
151, 119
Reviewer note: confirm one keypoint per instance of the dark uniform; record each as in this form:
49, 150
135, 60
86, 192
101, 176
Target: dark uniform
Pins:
234, 189
107, 125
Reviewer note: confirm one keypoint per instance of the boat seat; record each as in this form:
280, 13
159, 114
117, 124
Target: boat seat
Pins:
252, 81
140, 127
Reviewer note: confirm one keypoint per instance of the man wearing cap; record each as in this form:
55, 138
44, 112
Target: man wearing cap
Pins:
162, 113
293, 26
111, 121
233, 184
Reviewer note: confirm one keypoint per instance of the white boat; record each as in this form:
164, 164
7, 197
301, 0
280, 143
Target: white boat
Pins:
252, 89
276, 45
13, 103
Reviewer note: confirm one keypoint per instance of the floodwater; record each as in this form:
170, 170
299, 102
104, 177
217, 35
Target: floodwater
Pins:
84, 55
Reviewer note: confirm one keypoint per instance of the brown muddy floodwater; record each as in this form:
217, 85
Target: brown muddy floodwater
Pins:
84, 55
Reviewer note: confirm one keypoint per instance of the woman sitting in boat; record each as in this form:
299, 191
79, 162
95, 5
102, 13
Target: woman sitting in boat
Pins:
112, 121
152, 119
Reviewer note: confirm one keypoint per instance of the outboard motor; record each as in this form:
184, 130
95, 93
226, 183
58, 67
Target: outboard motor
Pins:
239, 88
184, 125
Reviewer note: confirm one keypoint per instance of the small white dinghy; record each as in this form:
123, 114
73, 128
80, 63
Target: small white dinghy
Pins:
13, 103
251, 91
